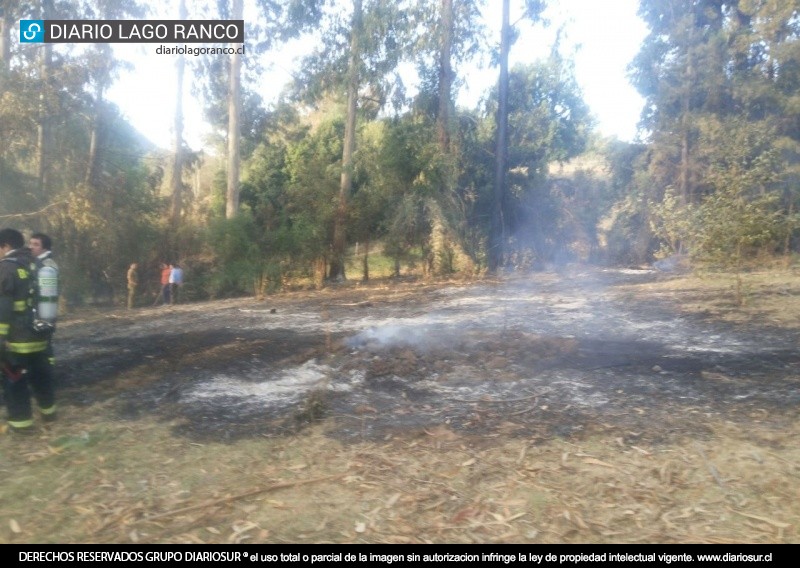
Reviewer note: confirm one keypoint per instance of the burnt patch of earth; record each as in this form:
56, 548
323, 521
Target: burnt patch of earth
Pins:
547, 355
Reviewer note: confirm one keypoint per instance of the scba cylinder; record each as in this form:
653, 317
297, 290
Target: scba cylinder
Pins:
48, 294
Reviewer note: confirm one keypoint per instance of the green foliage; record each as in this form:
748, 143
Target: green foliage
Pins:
628, 213
720, 81
289, 190
402, 176
382, 41
741, 215
238, 259
407, 229
673, 221
743, 212
469, 37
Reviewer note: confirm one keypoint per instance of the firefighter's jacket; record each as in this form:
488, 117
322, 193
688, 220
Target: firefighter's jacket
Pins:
17, 296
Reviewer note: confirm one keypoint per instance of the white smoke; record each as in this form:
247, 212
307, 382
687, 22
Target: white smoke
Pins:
286, 387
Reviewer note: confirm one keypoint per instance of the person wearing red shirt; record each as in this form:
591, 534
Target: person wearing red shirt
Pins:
164, 296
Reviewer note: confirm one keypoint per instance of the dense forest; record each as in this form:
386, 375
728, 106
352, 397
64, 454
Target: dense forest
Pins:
349, 161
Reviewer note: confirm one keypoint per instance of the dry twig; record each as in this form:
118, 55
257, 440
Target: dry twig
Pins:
224, 500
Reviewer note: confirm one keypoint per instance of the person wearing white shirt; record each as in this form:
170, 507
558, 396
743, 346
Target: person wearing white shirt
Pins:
175, 281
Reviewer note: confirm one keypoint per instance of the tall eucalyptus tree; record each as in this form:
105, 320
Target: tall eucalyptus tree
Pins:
176, 171
680, 72
358, 56
497, 236
450, 32
226, 84
43, 124
234, 111
348, 147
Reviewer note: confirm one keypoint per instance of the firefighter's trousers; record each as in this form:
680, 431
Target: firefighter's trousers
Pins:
24, 374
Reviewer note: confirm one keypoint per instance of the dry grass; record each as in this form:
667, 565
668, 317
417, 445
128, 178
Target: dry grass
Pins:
134, 482
769, 297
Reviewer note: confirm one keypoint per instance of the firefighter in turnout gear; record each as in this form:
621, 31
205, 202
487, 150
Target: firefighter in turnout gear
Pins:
23, 349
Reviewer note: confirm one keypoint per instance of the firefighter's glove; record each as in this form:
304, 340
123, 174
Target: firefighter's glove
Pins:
43, 328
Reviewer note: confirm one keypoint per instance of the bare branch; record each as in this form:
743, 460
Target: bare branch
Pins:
33, 213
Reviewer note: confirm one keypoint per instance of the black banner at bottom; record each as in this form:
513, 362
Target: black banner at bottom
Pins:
343, 555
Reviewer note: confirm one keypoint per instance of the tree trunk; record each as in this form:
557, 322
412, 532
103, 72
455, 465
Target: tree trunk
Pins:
6, 24
686, 191
739, 296
365, 262
441, 237
234, 108
685, 182
497, 236
43, 127
787, 242
176, 181
346, 184
90, 179
445, 76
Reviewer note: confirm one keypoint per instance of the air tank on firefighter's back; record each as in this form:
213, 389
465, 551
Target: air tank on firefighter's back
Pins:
48, 294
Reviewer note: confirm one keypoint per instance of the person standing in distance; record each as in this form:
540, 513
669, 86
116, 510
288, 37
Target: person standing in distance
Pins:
163, 295
133, 282
175, 282
23, 351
